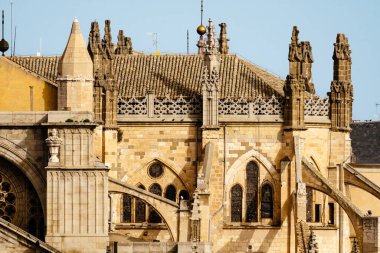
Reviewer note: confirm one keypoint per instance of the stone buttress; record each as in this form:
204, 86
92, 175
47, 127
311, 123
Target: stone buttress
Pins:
77, 183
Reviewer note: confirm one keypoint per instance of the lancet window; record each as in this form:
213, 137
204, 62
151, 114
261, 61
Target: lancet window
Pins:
267, 201
140, 209
127, 208
154, 217
236, 203
252, 182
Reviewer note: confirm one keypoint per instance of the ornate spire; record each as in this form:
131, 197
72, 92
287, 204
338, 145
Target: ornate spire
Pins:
341, 89
313, 244
210, 80
300, 60
94, 43
75, 74
211, 44
296, 83
124, 44
223, 39
75, 60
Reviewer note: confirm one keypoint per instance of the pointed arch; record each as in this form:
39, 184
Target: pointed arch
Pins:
267, 200
243, 160
172, 166
22, 160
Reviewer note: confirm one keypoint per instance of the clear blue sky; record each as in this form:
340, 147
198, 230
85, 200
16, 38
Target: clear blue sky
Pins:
259, 31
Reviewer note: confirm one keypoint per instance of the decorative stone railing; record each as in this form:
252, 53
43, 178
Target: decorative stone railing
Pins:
270, 109
317, 106
152, 108
133, 106
178, 106
257, 106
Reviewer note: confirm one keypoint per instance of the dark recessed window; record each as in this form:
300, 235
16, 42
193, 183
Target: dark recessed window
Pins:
236, 203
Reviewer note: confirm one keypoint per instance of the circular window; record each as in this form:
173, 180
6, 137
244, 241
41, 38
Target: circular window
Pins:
7, 201
156, 170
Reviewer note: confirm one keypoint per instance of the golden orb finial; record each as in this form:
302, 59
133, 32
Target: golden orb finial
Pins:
201, 30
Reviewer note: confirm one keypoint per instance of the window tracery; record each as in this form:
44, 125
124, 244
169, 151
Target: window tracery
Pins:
252, 181
236, 203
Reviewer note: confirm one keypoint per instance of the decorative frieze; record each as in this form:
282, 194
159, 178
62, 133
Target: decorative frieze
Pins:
317, 106
177, 106
257, 106
133, 106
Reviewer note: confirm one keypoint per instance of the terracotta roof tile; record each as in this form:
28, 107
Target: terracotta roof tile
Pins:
43, 66
173, 75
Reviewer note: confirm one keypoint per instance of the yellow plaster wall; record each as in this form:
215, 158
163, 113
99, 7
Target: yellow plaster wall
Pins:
15, 90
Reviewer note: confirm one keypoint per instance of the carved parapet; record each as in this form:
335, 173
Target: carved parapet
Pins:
54, 143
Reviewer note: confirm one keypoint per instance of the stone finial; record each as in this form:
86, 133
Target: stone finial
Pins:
211, 45
223, 39
94, 43
53, 142
294, 52
341, 48
107, 39
124, 44
312, 245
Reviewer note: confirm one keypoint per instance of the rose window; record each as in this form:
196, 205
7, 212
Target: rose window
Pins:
7, 200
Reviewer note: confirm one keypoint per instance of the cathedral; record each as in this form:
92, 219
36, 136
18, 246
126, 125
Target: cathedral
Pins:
106, 149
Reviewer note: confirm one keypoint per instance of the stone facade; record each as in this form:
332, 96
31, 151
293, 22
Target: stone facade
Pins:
198, 153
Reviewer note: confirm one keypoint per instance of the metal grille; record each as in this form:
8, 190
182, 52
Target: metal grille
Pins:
171, 193
267, 201
252, 189
236, 203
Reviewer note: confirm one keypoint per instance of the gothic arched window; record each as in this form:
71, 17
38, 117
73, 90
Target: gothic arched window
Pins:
154, 217
140, 208
171, 192
252, 177
127, 208
236, 203
267, 201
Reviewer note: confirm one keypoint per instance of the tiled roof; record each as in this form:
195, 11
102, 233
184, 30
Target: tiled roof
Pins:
173, 75
365, 142
43, 66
